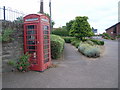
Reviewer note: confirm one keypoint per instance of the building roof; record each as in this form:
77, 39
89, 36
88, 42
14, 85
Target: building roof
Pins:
112, 26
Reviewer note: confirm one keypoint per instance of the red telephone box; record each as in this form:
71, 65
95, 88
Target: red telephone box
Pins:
37, 41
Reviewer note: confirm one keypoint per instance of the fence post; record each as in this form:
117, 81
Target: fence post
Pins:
4, 12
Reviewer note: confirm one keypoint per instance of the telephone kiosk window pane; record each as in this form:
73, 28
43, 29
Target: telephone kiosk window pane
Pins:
31, 52
46, 37
45, 27
46, 46
46, 41
31, 42
45, 32
31, 47
46, 51
31, 32
31, 27
31, 37
46, 56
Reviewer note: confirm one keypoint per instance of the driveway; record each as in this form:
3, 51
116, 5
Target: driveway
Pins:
73, 71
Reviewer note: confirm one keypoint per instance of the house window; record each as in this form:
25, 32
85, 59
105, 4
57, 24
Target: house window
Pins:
114, 31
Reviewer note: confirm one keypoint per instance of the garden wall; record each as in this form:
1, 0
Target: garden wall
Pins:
14, 49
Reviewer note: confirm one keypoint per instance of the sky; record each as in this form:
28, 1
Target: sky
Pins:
101, 13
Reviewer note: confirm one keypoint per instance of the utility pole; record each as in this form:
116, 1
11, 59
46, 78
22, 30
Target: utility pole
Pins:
119, 11
4, 12
41, 7
50, 15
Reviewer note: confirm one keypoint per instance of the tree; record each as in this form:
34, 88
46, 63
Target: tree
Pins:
69, 25
81, 28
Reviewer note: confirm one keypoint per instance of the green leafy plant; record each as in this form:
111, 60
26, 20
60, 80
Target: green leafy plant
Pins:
6, 35
23, 64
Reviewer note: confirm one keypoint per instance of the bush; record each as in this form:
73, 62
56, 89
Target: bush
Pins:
97, 42
6, 35
75, 42
88, 50
60, 32
57, 45
68, 39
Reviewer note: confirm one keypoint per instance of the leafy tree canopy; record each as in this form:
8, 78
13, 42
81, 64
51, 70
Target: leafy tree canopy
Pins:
81, 28
69, 25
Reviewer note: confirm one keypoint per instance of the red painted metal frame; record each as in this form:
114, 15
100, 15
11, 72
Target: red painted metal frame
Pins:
39, 21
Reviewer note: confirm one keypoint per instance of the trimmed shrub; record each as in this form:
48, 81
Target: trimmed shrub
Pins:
68, 39
97, 42
57, 44
60, 32
89, 50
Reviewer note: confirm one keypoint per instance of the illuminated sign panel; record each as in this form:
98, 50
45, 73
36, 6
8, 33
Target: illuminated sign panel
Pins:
31, 19
45, 20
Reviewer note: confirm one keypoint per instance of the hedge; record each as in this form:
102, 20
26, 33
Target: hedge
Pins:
98, 42
60, 32
57, 45
68, 39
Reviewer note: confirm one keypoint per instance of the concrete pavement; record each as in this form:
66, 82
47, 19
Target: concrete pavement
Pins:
74, 71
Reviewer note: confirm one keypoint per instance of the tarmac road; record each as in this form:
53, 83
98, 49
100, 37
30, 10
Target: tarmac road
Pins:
74, 71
